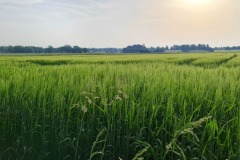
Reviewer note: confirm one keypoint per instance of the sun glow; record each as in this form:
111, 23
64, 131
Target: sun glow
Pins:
198, 5
198, 1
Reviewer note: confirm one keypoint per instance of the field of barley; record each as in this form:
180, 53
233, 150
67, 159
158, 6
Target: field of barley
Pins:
120, 107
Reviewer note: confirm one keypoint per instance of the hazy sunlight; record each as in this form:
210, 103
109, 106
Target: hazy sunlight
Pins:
198, 2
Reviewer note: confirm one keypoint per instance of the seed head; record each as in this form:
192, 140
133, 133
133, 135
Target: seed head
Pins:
84, 109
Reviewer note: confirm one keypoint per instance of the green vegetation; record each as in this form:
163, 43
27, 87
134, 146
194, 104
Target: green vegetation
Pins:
182, 106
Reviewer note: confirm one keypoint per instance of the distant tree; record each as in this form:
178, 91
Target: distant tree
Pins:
159, 50
38, 49
151, 49
20, 49
85, 50
187, 48
227, 48
76, 49
49, 49
193, 47
136, 49
65, 49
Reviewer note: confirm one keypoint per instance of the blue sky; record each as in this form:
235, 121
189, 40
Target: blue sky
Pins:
118, 23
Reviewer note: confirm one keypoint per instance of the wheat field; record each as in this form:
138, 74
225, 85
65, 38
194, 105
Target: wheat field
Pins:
138, 106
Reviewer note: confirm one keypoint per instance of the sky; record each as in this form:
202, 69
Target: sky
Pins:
119, 23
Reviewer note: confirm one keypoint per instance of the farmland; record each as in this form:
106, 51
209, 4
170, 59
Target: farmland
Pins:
173, 106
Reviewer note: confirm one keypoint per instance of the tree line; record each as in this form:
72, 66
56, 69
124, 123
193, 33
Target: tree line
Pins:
143, 49
192, 47
183, 48
49, 49
228, 48
137, 48
105, 50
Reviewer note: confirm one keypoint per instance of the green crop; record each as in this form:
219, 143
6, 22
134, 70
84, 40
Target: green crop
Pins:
176, 106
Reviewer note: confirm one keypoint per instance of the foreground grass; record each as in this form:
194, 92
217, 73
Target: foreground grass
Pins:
120, 107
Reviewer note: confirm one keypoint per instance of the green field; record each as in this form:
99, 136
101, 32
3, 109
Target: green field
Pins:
79, 107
